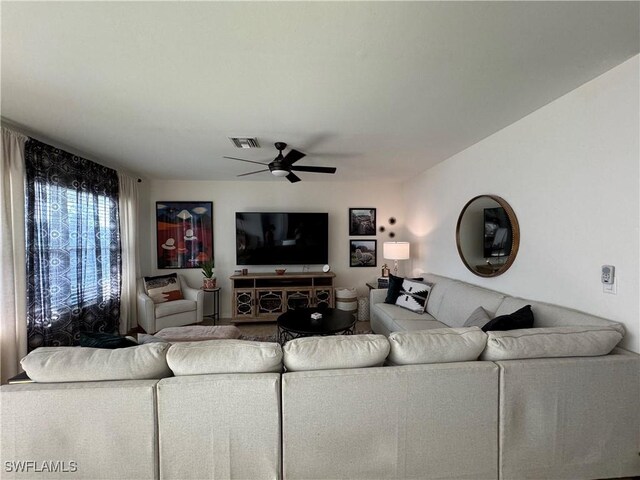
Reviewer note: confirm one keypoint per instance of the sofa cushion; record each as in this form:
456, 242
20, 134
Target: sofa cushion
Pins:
82, 364
461, 299
441, 286
551, 342
391, 318
198, 333
478, 318
414, 295
144, 338
411, 325
397, 313
163, 288
335, 352
522, 318
548, 315
224, 356
438, 345
174, 307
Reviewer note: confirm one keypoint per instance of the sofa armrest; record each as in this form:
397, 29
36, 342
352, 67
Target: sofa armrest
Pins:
546, 402
146, 313
377, 295
196, 295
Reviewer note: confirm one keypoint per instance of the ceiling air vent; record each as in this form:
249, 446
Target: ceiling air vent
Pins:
242, 142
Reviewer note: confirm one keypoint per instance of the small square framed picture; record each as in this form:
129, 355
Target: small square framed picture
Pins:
362, 221
363, 253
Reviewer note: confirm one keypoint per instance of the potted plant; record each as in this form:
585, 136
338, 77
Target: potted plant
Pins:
209, 281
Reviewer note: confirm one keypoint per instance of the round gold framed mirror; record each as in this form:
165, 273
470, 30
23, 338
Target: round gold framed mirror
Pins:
487, 235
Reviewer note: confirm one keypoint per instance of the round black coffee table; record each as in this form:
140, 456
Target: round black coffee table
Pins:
298, 323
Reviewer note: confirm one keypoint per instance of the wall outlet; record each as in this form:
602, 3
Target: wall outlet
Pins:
607, 275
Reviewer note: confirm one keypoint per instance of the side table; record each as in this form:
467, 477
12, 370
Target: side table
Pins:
215, 293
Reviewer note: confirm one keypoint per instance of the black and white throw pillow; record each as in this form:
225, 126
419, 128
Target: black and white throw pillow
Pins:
414, 295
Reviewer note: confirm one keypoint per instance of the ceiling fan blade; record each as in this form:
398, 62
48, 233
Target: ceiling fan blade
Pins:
251, 173
249, 161
293, 178
302, 168
293, 156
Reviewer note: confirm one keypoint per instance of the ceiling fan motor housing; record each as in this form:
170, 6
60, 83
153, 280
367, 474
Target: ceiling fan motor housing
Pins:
279, 167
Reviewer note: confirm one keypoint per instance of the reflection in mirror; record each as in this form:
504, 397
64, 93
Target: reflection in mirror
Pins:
487, 235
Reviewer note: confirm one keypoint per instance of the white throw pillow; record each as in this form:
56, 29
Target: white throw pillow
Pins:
437, 345
335, 352
84, 364
550, 342
224, 356
414, 295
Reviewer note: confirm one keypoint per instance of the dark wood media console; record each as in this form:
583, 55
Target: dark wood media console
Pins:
262, 297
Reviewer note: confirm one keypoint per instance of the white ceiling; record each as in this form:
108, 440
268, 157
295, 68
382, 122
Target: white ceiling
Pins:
377, 89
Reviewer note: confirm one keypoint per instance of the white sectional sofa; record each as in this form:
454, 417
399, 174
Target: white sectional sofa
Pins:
419, 405
565, 409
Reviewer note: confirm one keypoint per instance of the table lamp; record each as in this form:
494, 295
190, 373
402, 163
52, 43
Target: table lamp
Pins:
395, 251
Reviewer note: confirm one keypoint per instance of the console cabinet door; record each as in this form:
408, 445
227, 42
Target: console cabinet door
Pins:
323, 297
299, 298
243, 304
270, 302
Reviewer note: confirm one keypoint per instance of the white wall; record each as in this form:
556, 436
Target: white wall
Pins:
229, 197
571, 173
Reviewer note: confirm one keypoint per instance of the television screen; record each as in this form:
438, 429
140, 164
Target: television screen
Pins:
497, 233
266, 238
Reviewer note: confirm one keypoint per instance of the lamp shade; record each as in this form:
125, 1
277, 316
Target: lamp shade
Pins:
395, 250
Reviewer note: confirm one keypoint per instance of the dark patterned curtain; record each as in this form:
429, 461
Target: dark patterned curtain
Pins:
73, 246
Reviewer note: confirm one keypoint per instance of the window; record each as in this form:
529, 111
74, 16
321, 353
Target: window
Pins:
73, 246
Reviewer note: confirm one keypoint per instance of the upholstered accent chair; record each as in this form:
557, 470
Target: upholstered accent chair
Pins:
153, 317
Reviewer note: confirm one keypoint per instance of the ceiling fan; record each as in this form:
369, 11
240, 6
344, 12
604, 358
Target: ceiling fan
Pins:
282, 166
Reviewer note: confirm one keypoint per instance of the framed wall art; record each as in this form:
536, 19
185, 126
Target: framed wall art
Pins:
362, 221
184, 234
363, 253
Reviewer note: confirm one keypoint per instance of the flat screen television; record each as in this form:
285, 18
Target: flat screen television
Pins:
497, 233
278, 238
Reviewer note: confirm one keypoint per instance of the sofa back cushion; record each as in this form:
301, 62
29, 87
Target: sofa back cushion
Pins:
551, 342
335, 352
548, 315
109, 430
440, 287
82, 364
461, 299
224, 356
438, 345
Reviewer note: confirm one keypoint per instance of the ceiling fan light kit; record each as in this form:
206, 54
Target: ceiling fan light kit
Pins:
282, 165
